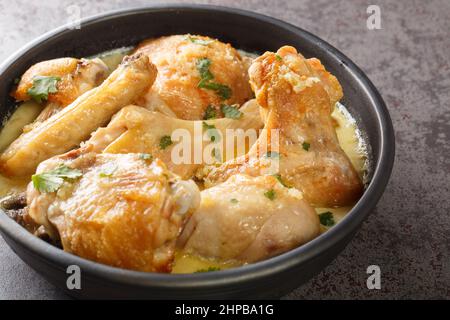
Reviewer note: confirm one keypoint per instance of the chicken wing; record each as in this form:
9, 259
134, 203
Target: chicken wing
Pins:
76, 77
135, 129
298, 105
249, 219
194, 72
120, 210
66, 129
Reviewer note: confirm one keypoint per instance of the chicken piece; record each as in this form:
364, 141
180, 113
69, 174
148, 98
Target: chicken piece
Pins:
298, 112
77, 76
179, 60
121, 210
249, 219
66, 129
135, 129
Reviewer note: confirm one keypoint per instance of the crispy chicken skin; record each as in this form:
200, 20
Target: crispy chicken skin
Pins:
128, 218
236, 220
136, 129
176, 87
298, 106
77, 77
67, 128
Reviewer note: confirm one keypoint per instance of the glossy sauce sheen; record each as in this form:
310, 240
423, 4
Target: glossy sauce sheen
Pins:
347, 131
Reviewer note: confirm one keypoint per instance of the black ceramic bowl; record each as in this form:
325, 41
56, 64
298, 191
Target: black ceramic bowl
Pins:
244, 30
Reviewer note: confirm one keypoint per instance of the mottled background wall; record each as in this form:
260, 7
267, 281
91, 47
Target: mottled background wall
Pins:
408, 235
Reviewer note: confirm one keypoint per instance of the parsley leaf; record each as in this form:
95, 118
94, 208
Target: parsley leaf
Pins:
210, 113
234, 200
165, 142
203, 65
278, 57
213, 133
52, 180
280, 180
306, 145
210, 269
270, 194
108, 171
206, 76
201, 42
230, 112
145, 156
327, 219
42, 86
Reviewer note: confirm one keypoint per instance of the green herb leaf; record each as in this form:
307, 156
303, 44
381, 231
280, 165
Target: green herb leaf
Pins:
280, 180
108, 171
52, 180
272, 155
231, 112
278, 57
270, 194
212, 132
216, 154
306, 145
234, 201
327, 219
210, 113
42, 86
16, 80
145, 156
165, 142
223, 91
203, 65
210, 269
201, 42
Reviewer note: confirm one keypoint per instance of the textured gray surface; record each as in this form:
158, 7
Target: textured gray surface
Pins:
408, 235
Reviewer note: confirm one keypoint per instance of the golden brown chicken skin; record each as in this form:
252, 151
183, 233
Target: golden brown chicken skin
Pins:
136, 129
298, 108
76, 77
249, 219
121, 210
179, 60
74, 124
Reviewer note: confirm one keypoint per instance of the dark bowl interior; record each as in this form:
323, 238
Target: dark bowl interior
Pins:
244, 30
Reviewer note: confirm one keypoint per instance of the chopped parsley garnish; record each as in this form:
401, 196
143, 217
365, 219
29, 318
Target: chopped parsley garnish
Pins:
16, 80
270, 194
210, 113
42, 86
272, 155
199, 41
234, 200
165, 142
145, 156
213, 133
231, 112
210, 269
280, 180
306, 145
278, 57
108, 171
206, 77
216, 154
52, 180
327, 219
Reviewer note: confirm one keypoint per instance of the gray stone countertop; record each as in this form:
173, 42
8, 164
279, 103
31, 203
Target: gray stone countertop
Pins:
408, 235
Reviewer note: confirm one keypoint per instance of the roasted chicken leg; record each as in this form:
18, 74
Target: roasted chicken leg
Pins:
298, 108
249, 219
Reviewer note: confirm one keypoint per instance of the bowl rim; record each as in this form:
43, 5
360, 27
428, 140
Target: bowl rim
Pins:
104, 273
